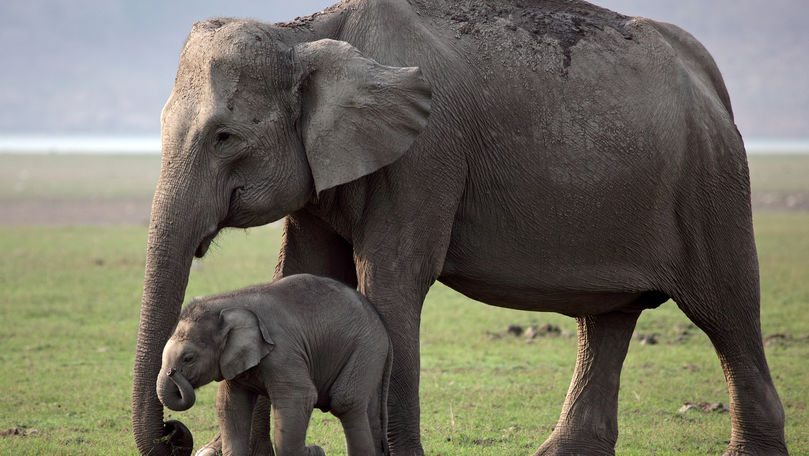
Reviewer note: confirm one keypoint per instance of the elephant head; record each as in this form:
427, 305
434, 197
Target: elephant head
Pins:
253, 130
204, 348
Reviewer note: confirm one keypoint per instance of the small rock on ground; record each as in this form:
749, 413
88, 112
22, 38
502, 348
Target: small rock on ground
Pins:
646, 339
705, 407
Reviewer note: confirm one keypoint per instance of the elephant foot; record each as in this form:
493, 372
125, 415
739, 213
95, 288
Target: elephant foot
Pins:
261, 448
413, 452
314, 450
178, 437
575, 444
759, 448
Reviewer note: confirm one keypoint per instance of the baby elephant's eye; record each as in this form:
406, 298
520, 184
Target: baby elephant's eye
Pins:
188, 357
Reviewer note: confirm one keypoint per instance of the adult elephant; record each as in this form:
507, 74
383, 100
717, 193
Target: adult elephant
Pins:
539, 155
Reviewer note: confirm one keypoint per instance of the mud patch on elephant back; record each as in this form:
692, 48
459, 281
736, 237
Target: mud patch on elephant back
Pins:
567, 27
308, 21
539, 35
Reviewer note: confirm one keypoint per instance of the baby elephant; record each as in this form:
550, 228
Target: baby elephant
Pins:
304, 342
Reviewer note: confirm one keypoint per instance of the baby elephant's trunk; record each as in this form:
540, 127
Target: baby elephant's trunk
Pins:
175, 391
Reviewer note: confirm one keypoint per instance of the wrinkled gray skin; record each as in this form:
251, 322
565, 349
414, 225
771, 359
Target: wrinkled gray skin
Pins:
553, 156
303, 341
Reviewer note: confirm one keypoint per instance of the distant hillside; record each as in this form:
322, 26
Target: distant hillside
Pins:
107, 66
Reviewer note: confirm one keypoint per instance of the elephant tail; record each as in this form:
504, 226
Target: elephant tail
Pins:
383, 399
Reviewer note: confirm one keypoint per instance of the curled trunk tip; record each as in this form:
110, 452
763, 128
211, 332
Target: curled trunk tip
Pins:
175, 391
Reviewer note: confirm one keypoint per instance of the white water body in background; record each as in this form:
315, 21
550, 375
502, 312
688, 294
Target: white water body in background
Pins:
777, 145
76, 144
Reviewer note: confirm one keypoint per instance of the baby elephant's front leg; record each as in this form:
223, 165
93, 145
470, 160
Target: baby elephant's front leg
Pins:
235, 409
291, 413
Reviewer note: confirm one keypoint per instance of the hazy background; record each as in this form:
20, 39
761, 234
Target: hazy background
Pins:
105, 67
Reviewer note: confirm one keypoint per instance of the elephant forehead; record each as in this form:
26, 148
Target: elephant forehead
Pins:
199, 331
217, 66
232, 44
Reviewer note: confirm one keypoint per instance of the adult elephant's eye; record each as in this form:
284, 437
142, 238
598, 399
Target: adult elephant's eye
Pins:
188, 357
222, 136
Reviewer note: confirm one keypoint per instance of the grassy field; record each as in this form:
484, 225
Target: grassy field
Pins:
70, 296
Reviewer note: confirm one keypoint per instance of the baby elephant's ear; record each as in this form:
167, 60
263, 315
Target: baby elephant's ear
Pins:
246, 341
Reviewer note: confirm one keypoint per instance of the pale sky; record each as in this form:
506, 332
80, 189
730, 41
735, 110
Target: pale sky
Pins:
107, 66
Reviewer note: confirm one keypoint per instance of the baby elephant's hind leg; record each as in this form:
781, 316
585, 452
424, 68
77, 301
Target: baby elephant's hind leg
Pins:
350, 403
359, 438
375, 420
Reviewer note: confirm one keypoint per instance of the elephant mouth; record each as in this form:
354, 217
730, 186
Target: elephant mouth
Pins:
233, 204
203, 246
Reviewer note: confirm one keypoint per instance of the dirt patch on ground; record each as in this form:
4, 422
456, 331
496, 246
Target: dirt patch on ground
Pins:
125, 211
21, 431
776, 201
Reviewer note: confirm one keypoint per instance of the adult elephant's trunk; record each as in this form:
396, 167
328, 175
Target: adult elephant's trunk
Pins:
174, 391
172, 241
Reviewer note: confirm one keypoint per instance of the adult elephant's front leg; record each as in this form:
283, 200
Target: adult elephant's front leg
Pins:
309, 246
589, 421
401, 315
398, 295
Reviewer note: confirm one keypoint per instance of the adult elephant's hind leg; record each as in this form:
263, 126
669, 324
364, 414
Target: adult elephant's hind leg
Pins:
589, 421
719, 292
729, 315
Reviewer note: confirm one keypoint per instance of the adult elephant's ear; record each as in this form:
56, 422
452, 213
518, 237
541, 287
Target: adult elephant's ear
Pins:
356, 115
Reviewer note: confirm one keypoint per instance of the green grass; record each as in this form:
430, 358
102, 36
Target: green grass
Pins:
70, 297
69, 303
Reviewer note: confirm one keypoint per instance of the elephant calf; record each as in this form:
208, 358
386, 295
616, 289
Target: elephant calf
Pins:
304, 342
